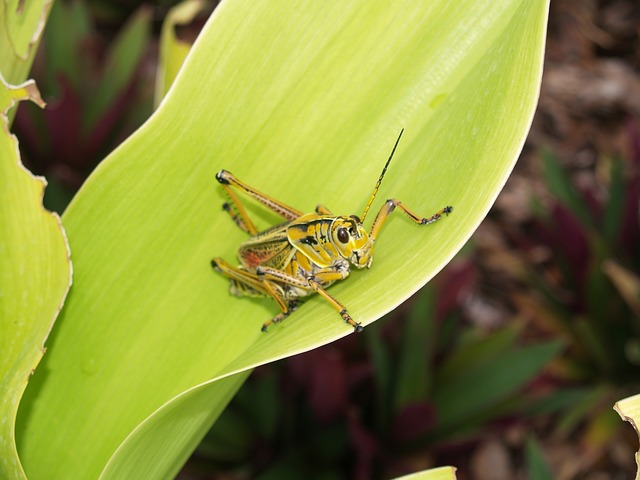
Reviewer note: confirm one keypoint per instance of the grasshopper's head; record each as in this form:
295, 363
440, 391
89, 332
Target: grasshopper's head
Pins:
350, 238
352, 241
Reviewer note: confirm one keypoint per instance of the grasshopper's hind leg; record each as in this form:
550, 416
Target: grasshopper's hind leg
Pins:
322, 277
250, 284
237, 210
238, 218
292, 307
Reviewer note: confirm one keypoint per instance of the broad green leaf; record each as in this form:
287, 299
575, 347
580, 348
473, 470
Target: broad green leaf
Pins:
629, 411
21, 25
173, 51
189, 416
35, 271
35, 274
304, 103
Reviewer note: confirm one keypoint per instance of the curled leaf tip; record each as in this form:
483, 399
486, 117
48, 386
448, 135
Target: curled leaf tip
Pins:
16, 93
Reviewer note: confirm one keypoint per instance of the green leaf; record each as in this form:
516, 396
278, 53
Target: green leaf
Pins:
303, 102
173, 51
614, 207
477, 351
121, 64
381, 359
21, 25
183, 422
583, 408
537, 466
560, 185
480, 386
68, 28
559, 401
34, 276
413, 375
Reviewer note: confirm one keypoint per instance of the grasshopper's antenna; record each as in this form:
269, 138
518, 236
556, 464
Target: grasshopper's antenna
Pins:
384, 170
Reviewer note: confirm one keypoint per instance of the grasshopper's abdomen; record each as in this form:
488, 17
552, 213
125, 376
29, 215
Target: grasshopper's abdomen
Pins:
269, 248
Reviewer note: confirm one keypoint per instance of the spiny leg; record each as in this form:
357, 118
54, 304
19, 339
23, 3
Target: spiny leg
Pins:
328, 275
292, 307
237, 217
342, 310
236, 209
228, 180
259, 284
391, 204
252, 280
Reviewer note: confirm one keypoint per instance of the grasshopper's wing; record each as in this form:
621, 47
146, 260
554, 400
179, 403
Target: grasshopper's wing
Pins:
270, 248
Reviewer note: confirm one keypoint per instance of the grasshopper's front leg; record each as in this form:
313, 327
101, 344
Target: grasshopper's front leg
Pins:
391, 204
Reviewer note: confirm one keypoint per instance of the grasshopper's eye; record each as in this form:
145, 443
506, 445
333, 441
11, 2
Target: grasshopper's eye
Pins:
343, 235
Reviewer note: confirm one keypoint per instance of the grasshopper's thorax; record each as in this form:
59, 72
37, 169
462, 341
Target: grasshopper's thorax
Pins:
327, 239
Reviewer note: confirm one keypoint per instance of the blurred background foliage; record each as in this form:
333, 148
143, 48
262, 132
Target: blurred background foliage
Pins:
509, 362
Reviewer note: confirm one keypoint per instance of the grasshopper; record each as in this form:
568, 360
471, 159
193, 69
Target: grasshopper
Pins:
307, 252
